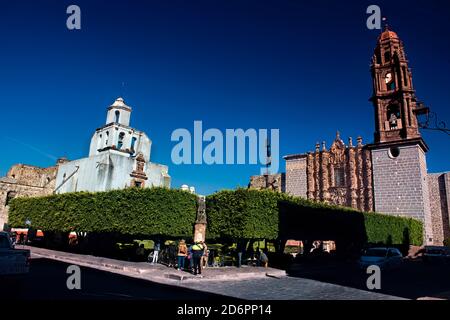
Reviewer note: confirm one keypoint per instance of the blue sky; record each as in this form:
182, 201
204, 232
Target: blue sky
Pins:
298, 66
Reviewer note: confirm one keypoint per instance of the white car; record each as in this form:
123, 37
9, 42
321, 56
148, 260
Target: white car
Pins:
383, 257
12, 261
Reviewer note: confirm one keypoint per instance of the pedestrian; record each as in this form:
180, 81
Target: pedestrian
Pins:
264, 260
204, 258
13, 239
182, 252
22, 238
140, 253
156, 249
197, 253
190, 259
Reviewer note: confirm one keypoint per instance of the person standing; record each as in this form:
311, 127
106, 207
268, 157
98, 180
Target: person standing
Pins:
264, 260
197, 253
140, 253
190, 259
156, 249
204, 258
182, 252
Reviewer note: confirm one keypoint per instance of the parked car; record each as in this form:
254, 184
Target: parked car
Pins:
436, 254
12, 261
383, 257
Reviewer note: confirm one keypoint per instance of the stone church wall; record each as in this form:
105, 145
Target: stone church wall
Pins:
439, 187
24, 181
296, 178
400, 184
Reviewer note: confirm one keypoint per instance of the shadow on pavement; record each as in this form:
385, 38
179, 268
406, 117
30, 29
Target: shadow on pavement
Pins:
413, 279
47, 281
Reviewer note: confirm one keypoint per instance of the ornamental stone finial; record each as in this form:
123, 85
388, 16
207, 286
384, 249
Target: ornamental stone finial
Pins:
338, 135
359, 139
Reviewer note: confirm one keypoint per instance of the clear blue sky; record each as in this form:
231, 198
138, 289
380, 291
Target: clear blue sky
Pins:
299, 66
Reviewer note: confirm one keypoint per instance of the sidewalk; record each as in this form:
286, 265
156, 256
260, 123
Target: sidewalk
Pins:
248, 283
158, 272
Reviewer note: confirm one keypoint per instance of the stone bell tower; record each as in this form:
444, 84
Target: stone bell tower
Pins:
393, 93
398, 154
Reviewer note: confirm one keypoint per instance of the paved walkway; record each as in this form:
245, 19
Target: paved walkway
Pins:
287, 288
156, 271
251, 283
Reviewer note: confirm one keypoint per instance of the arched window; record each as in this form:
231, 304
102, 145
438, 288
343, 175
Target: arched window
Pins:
117, 116
107, 138
393, 116
387, 56
9, 196
120, 141
133, 142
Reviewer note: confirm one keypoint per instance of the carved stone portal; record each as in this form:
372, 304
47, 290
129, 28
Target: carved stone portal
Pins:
342, 175
138, 173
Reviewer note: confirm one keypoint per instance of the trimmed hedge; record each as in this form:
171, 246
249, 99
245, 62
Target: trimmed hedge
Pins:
237, 214
132, 211
255, 214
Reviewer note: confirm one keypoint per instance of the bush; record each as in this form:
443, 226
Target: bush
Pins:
243, 214
232, 215
132, 211
253, 214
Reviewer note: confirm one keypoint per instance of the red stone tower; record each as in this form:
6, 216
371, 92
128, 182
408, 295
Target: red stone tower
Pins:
393, 96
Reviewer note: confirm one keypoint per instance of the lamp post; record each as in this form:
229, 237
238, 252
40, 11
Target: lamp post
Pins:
28, 224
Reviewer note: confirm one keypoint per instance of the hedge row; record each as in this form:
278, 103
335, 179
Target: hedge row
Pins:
132, 211
237, 214
253, 214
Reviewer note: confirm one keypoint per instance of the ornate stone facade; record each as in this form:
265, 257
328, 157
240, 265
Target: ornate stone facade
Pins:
138, 173
341, 175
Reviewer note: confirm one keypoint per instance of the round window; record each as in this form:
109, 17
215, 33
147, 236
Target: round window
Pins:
394, 152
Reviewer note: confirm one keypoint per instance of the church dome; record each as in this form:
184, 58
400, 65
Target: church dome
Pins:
120, 104
388, 34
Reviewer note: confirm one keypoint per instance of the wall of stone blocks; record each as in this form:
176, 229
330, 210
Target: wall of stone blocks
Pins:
401, 185
25, 181
439, 186
296, 178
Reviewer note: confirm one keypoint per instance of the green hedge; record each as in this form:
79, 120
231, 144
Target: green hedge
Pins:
132, 211
237, 214
254, 214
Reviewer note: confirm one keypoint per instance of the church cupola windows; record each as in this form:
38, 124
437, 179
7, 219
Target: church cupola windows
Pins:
119, 113
116, 134
120, 140
133, 142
